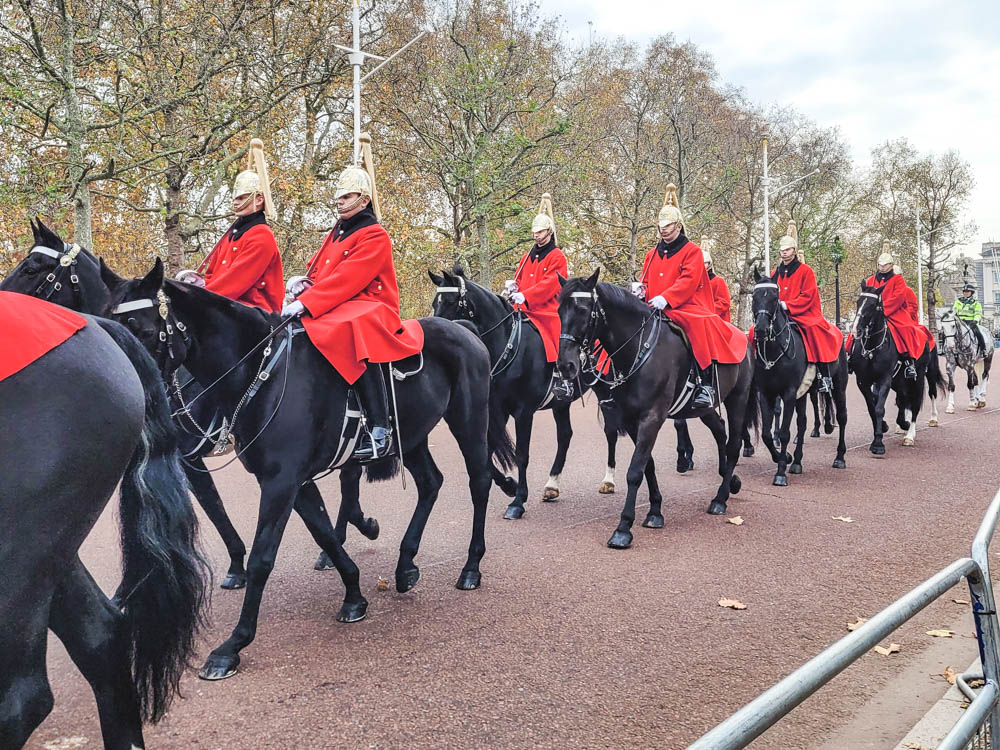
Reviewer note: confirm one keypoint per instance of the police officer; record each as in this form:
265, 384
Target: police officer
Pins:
968, 308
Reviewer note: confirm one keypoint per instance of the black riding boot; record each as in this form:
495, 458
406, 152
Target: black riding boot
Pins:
376, 440
704, 394
979, 338
910, 373
825, 381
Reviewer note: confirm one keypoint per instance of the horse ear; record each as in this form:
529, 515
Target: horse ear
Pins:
109, 277
756, 275
34, 231
438, 280
153, 280
562, 279
592, 279
457, 270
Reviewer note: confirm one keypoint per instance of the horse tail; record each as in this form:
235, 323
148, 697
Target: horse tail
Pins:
497, 437
164, 574
934, 377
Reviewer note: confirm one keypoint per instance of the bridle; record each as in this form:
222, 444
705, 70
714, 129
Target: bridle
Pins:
165, 355
963, 332
770, 335
67, 258
868, 352
466, 310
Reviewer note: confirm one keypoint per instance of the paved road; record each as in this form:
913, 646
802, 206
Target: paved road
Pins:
569, 644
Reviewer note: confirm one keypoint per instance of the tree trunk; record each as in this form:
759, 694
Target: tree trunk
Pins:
74, 135
931, 300
172, 221
485, 270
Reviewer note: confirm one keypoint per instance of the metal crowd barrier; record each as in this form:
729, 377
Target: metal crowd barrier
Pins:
973, 730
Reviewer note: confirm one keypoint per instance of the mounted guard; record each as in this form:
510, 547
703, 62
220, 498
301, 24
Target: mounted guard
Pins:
798, 293
351, 308
245, 264
720, 291
674, 281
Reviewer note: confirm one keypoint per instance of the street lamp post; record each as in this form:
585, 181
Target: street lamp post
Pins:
837, 253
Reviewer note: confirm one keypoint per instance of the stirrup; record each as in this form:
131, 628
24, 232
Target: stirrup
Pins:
375, 445
825, 384
704, 397
910, 373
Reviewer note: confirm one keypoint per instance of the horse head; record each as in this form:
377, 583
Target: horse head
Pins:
451, 295
765, 307
868, 315
59, 272
948, 330
578, 305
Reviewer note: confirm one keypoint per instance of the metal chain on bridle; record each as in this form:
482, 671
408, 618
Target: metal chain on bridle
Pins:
67, 258
771, 336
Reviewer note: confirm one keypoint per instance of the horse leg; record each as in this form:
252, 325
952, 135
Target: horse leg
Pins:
972, 382
477, 459
25, 695
877, 408
276, 501
91, 628
950, 369
350, 513
784, 437
814, 397
840, 402
654, 518
718, 428
747, 443
767, 418
428, 479
564, 433
685, 448
208, 498
522, 432
802, 422
645, 439
612, 419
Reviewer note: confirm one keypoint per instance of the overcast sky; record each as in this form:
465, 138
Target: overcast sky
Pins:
877, 69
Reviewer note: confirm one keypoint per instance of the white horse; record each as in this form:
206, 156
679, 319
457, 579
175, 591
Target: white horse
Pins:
962, 350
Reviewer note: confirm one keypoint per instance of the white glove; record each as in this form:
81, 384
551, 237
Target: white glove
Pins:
783, 305
659, 302
517, 298
293, 308
510, 286
187, 276
296, 285
639, 289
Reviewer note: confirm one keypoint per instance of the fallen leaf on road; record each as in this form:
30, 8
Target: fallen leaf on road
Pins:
736, 520
845, 519
893, 649
941, 633
915, 746
857, 623
950, 675
961, 601
732, 603
383, 584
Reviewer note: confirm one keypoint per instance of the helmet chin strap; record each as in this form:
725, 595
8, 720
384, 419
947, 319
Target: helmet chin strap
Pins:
347, 209
250, 197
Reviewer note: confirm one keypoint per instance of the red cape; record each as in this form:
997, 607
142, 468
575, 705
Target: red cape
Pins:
909, 336
31, 327
538, 282
799, 291
353, 305
720, 292
248, 270
682, 279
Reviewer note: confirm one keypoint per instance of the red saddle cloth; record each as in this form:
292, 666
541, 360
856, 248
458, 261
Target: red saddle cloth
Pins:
30, 327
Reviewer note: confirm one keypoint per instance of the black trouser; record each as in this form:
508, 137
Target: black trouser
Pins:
978, 334
371, 391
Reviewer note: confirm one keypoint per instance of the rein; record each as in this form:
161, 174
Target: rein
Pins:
67, 258
761, 342
468, 311
864, 335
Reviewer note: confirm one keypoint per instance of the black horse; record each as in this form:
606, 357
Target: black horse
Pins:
74, 422
522, 381
72, 277
652, 363
877, 368
289, 426
782, 373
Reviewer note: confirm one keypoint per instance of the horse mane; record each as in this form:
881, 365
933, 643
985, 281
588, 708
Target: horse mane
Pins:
242, 314
615, 296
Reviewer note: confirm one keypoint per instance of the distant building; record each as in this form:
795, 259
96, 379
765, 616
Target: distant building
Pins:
985, 271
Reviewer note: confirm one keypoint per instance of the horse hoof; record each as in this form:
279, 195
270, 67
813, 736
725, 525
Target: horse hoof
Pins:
369, 529
828, 429
323, 562
972, 407
795, 469
353, 611
839, 463
234, 581
653, 521
735, 485
747, 451
407, 579
899, 431
908, 442
513, 512
684, 465
469, 580
219, 667
949, 410
550, 495
620, 540
981, 404
932, 423
815, 432
878, 450
780, 481
607, 488
508, 486
716, 508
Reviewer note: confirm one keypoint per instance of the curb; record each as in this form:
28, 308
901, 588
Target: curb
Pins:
937, 722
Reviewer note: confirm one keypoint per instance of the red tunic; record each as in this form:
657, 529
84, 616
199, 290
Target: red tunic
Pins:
31, 327
538, 282
800, 293
354, 304
898, 300
723, 302
248, 270
683, 281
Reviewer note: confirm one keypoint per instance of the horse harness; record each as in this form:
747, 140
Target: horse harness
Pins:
866, 334
67, 258
761, 342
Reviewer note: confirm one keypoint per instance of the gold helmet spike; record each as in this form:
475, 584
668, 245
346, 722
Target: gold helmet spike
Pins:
544, 219
791, 238
254, 179
671, 211
886, 257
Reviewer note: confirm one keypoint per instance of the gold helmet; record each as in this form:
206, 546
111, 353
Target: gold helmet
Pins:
360, 179
705, 254
791, 238
886, 257
671, 211
254, 179
543, 219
